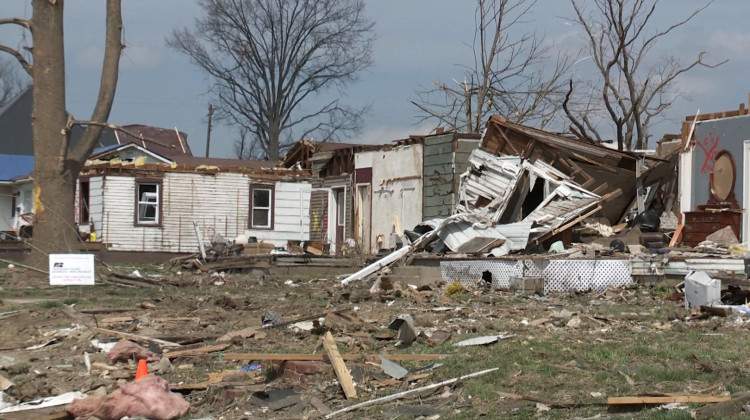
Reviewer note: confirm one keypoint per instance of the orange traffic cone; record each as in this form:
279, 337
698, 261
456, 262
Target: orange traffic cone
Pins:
142, 369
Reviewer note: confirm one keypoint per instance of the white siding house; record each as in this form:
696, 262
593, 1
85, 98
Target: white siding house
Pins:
153, 207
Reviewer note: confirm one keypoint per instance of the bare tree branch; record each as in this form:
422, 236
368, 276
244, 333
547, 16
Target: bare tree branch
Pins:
108, 84
25, 64
510, 75
16, 21
267, 58
620, 39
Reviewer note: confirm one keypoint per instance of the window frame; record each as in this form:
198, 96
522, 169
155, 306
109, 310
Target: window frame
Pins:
271, 206
159, 202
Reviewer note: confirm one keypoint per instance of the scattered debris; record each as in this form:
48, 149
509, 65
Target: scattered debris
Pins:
148, 397
483, 341
407, 334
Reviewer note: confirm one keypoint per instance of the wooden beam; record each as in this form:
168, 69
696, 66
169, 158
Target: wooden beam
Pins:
677, 236
195, 352
668, 399
342, 372
322, 357
134, 337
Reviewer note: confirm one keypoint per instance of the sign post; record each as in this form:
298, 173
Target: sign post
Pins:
71, 270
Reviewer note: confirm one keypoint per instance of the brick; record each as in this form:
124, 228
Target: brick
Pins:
232, 393
307, 367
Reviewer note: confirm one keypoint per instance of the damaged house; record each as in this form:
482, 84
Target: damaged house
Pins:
138, 200
362, 193
527, 188
714, 164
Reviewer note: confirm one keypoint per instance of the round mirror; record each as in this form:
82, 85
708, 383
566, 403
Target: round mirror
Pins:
722, 176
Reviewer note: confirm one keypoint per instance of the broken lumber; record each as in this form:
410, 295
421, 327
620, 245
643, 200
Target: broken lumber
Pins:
668, 399
243, 333
342, 372
134, 337
520, 397
321, 357
106, 310
404, 394
195, 352
676, 236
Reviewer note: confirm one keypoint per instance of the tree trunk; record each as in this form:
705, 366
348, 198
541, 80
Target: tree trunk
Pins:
54, 180
273, 142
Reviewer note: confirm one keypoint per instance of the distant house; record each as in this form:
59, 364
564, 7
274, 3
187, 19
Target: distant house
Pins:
16, 193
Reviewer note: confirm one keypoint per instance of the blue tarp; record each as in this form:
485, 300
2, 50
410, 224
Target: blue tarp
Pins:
14, 166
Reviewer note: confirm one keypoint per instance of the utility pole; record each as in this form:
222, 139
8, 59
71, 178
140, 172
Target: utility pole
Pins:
208, 130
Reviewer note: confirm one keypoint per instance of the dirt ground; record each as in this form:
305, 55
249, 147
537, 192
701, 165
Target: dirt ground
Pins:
557, 357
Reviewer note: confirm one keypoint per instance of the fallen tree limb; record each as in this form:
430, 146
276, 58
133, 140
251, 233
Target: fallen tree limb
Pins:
404, 394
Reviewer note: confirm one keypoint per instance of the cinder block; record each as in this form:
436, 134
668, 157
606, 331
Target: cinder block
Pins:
527, 284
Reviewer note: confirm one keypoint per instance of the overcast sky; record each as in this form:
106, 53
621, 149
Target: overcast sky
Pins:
419, 42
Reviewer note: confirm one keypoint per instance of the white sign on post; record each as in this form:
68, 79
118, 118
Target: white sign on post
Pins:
71, 270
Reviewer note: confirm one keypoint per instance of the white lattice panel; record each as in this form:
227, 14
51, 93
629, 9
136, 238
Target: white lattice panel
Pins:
559, 275
534, 268
469, 273
583, 275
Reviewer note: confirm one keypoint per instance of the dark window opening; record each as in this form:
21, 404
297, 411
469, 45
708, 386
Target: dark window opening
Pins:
83, 207
533, 199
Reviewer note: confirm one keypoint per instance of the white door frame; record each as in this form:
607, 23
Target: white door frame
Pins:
686, 182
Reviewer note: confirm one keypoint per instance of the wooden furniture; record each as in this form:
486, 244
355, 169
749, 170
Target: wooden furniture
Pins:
721, 210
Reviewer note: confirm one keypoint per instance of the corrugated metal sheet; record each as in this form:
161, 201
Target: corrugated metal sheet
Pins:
465, 236
490, 182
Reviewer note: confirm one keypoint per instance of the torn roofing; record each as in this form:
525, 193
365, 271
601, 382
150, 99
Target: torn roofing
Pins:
15, 166
593, 167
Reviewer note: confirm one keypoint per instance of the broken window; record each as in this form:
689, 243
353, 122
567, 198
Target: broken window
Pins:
261, 207
149, 200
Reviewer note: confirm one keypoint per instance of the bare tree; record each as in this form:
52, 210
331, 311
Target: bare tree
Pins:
11, 82
245, 148
511, 75
634, 87
266, 58
57, 165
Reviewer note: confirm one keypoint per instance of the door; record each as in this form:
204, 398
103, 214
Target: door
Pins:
340, 218
363, 217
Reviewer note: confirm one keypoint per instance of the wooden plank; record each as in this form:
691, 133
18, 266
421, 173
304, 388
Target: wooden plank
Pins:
195, 352
106, 310
677, 236
134, 337
321, 357
667, 399
342, 372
